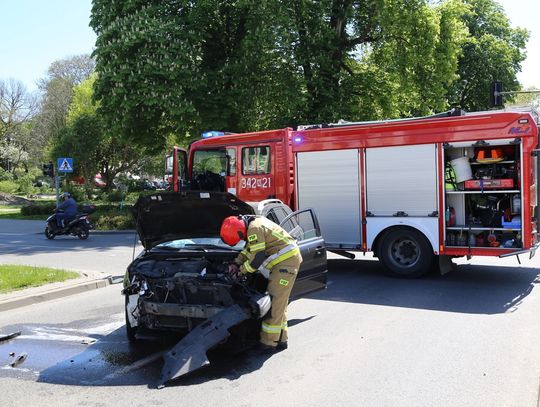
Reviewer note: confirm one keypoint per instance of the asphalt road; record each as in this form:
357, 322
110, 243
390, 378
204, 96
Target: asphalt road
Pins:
469, 338
23, 242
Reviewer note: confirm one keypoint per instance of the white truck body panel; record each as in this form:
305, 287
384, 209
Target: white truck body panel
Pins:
429, 226
402, 178
329, 182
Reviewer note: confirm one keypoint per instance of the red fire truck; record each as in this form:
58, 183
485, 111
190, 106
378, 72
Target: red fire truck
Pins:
413, 191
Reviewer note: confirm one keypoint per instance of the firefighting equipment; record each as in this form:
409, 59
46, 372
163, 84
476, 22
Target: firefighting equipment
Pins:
462, 169
233, 229
450, 216
492, 240
450, 177
516, 203
489, 155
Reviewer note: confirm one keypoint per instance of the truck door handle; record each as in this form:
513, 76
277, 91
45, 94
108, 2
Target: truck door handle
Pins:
319, 251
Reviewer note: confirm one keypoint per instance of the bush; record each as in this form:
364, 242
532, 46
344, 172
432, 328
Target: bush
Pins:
77, 192
25, 184
38, 209
9, 187
45, 190
114, 221
5, 175
116, 196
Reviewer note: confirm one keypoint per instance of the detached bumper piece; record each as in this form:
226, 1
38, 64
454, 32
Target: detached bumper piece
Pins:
190, 353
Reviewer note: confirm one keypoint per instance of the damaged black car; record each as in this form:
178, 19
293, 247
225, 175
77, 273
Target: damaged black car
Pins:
179, 282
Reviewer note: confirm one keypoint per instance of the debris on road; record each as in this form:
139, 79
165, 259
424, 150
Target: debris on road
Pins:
88, 341
9, 336
190, 353
11, 354
19, 359
116, 279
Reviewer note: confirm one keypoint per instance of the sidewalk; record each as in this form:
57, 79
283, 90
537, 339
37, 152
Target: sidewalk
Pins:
33, 295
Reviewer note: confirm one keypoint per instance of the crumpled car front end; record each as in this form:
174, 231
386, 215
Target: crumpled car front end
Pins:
177, 294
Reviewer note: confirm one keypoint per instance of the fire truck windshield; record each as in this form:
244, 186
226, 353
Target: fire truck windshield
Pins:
209, 160
209, 169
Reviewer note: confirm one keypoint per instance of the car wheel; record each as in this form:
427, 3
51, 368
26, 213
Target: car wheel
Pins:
83, 233
130, 331
49, 234
405, 252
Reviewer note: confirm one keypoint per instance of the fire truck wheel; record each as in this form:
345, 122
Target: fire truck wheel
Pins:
405, 252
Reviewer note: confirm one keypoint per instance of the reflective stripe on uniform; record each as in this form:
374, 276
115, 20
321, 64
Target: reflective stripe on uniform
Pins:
286, 253
248, 267
257, 247
271, 329
284, 326
244, 252
283, 238
252, 238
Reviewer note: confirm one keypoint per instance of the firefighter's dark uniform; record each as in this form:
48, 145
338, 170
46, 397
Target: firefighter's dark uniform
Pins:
271, 251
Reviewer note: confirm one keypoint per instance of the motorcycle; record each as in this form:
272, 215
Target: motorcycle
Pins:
79, 226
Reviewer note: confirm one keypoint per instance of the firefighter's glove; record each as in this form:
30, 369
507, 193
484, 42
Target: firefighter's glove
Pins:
234, 271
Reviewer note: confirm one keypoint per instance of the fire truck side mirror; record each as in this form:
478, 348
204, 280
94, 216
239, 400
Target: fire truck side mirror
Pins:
496, 94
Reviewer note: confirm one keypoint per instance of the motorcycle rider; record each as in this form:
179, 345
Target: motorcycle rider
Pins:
68, 208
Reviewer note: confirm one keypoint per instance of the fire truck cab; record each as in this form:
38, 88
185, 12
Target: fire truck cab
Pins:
413, 191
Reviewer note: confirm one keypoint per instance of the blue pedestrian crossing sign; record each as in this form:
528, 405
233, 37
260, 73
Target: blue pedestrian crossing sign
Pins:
65, 164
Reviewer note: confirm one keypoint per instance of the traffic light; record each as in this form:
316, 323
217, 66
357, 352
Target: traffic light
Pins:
48, 169
496, 94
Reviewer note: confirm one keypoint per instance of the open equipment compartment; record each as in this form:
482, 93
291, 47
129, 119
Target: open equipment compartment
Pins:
483, 197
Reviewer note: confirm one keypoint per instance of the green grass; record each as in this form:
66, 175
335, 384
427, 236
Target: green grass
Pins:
15, 277
14, 212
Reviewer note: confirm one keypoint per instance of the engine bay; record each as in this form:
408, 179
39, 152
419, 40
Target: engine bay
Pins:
177, 293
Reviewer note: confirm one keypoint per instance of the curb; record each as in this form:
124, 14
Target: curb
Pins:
13, 303
105, 232
113, 232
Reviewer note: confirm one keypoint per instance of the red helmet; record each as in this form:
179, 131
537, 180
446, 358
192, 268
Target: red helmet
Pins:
233, 229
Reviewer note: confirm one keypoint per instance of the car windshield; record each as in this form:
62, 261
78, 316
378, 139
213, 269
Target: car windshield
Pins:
199, 242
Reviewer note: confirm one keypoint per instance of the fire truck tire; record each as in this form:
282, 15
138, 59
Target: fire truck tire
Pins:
405, 252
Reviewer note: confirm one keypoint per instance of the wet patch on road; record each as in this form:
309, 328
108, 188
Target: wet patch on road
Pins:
99, 354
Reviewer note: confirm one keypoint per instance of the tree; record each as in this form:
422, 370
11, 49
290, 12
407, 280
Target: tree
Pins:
179, 67
86, 138
57, 90
527, 99
17, 107
493, 51
74, 69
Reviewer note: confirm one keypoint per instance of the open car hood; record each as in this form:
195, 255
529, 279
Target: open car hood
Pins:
189, 214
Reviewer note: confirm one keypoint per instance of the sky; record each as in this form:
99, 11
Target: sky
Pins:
35, 33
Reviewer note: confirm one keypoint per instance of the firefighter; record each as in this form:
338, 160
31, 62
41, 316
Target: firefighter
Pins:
272, 252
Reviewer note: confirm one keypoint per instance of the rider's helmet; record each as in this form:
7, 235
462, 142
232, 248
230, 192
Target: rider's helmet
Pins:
233, 229
66, 195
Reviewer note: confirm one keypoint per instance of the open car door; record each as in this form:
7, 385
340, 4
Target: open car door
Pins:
304, 227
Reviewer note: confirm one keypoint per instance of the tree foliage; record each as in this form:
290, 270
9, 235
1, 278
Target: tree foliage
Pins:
179, 67
86, 138
493, 51
56, 93
17, 107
